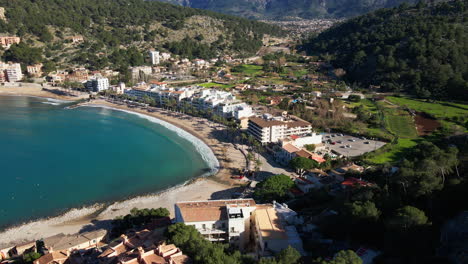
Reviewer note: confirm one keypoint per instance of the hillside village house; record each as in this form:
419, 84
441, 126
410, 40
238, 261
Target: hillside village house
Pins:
7, 41
76, 39
10, 72
242, 222
136, 71
143, 247
268, 129
2, 14
58, 247
12, 250
294, 146
34, 70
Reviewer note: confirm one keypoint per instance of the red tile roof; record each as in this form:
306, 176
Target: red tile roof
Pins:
351, 181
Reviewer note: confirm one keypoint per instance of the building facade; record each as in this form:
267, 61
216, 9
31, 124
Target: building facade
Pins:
11, 72
7, 41
218, 220
270, 130
97, 84
155, 57
34, 70
242, 222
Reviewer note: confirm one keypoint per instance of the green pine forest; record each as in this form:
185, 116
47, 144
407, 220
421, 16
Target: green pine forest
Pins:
420, 49
122, 30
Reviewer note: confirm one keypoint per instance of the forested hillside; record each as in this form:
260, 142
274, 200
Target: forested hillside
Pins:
278, 9
115, 27
418, 49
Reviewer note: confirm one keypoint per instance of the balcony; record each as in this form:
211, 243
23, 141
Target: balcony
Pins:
208, 231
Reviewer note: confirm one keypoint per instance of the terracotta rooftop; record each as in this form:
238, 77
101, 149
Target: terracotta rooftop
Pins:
303, 153
297, 124
291, 148
153, 259
54, 257
198, 211
181, 259
265, 123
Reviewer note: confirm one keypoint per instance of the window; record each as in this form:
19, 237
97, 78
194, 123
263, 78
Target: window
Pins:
213, 226
203, 226
232, 229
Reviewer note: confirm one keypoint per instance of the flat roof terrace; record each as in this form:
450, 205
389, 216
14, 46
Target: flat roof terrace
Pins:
350, 146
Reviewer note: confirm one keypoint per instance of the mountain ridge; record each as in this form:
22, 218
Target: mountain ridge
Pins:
277, 9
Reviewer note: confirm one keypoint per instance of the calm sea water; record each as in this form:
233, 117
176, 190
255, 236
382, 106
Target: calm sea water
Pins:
53, 159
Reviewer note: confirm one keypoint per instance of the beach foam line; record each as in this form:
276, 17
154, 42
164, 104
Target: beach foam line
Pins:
51, 103
206, 152
30, 231
58, 101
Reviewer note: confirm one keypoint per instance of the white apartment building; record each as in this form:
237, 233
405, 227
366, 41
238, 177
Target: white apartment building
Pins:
165, 56
97, 84
242, 222
273, 130
160, 93
236, 109
155, 57
243, 111
218, 220
11, 72
210, 98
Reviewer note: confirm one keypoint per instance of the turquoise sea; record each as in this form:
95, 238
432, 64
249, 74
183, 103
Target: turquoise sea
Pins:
53, 159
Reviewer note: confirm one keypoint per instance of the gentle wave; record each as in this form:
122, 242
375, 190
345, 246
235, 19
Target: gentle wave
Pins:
26, 229
205, 151
51, 103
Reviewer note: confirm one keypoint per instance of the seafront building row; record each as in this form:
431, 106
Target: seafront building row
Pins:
259, 229
219, 102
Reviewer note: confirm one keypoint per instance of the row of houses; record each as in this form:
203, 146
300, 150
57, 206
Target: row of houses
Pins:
219, 102
137, 247
59, 244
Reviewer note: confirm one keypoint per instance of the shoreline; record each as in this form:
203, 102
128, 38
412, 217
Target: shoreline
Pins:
97, 216
35, 90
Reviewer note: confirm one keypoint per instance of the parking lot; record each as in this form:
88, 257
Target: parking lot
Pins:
349, 146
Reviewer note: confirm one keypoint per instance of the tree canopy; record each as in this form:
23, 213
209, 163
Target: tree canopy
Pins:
407, 217
301, 164
274, 188
418, 49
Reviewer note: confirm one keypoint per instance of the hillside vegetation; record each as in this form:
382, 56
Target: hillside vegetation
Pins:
277, 9
122, 28
417, 49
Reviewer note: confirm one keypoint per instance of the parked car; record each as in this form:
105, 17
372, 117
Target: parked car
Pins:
367, 142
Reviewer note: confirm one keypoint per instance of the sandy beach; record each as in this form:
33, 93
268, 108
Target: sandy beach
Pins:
99, 216
36, 90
